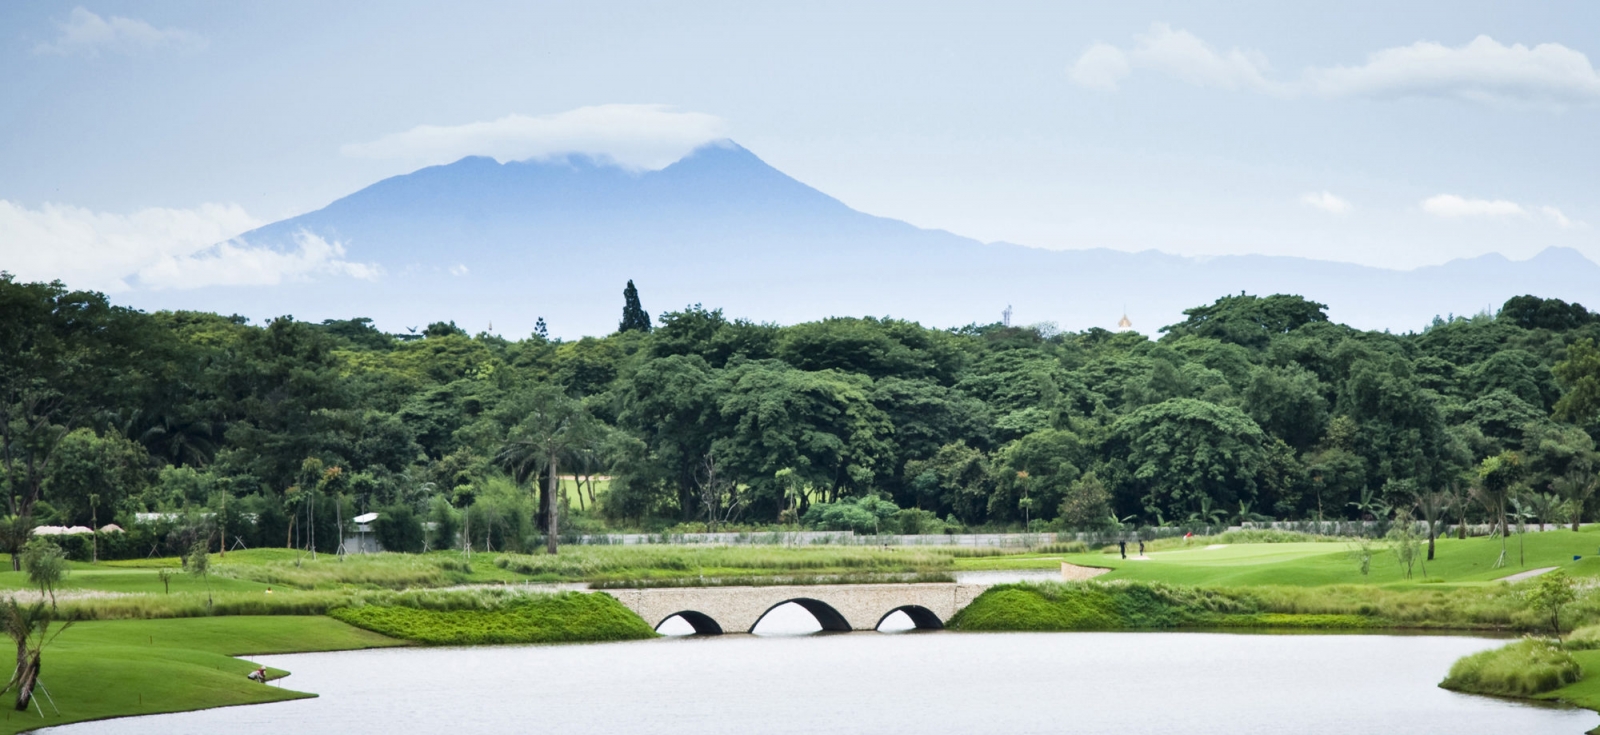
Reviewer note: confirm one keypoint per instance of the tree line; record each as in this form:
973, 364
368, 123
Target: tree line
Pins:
1250, 408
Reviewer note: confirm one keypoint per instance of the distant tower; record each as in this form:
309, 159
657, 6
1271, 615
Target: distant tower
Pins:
1124, 324
1005, 316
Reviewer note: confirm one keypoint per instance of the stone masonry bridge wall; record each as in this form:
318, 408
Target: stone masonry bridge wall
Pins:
838, 607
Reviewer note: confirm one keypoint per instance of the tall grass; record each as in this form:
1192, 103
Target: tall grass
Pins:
1522, 669
385, 571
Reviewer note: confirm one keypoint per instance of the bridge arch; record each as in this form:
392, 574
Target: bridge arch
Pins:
830, 619
702, 623
920, 616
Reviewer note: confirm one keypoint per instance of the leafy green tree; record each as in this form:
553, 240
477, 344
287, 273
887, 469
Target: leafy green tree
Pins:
65, 358
955, 480
1532, 312
1249, 321
1551, 592
89, 467
198, 561
1039, 467
1086, 504
45, 565
822, 424
1183, 450
634, 317
1580, 373
546, 425
1497, 480
1288, 403
399, 529
446, 523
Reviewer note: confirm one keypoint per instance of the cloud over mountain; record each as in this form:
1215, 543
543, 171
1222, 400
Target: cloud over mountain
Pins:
634, 136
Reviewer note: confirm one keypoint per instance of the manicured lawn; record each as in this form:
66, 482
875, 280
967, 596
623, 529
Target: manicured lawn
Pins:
1307, 564
1586, 692
96, 670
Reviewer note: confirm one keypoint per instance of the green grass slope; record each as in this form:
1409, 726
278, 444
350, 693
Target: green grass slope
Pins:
101, 669
1309, 564
567, 617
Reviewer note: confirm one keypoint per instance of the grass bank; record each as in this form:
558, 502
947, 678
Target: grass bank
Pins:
101, 669
1526, 668
566, 617
1096, 605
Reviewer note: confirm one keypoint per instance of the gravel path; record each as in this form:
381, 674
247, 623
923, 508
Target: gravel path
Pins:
1530, 574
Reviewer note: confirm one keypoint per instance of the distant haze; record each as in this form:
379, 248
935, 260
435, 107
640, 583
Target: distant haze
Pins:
481, 242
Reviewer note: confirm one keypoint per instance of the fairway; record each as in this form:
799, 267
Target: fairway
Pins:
1334, 562
119, 668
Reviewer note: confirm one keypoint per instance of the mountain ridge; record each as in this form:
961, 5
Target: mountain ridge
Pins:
477, 241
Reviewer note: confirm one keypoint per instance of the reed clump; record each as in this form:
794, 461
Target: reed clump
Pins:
1522, 669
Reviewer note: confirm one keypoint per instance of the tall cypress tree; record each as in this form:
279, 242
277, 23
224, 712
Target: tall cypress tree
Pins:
634, 317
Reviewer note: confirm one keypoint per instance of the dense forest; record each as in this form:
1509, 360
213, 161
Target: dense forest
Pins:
1251, 408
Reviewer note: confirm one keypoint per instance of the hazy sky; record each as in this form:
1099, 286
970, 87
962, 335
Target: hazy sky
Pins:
136, 132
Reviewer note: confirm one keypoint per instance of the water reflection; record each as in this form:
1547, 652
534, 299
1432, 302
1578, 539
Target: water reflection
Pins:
788, 619
1080, 683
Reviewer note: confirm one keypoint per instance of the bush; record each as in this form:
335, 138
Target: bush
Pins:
397, 529
567, 617
867, 515
1584, 639
1525, 668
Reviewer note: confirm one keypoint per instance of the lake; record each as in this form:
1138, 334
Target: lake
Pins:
922, 683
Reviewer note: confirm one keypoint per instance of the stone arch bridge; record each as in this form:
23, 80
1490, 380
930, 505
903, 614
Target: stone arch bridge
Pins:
837, 607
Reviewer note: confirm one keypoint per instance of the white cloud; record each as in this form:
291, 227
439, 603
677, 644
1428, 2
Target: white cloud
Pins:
1482, 70
154, 248
1183, 55
1326, 201
1556, 216
87, 33
235, 263
1452, 206
1176, 53
636, 136
1103, 66
458, 269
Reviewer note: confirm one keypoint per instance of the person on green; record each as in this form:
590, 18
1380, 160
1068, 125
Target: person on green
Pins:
1123, 546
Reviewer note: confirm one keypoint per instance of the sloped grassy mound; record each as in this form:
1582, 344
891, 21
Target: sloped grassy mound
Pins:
1129, 606
1525, 668
566, 617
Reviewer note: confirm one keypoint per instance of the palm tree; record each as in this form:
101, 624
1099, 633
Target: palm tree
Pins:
549, 425
1496, 477
1433, 506
1577, 486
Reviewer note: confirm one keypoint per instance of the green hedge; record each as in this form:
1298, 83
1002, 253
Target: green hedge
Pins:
566, 617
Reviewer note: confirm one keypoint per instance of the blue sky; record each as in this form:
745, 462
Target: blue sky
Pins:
133, 134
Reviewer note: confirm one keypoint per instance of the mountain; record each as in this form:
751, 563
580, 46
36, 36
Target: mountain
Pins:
478, 241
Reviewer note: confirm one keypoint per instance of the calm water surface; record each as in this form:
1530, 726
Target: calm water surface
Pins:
918, 684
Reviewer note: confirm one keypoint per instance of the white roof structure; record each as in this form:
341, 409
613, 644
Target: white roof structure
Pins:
365, 518
61, 530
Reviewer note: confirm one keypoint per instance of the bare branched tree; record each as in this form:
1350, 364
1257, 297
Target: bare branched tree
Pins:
719, 497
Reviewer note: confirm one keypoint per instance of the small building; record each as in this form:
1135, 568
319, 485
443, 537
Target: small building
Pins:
364, 542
